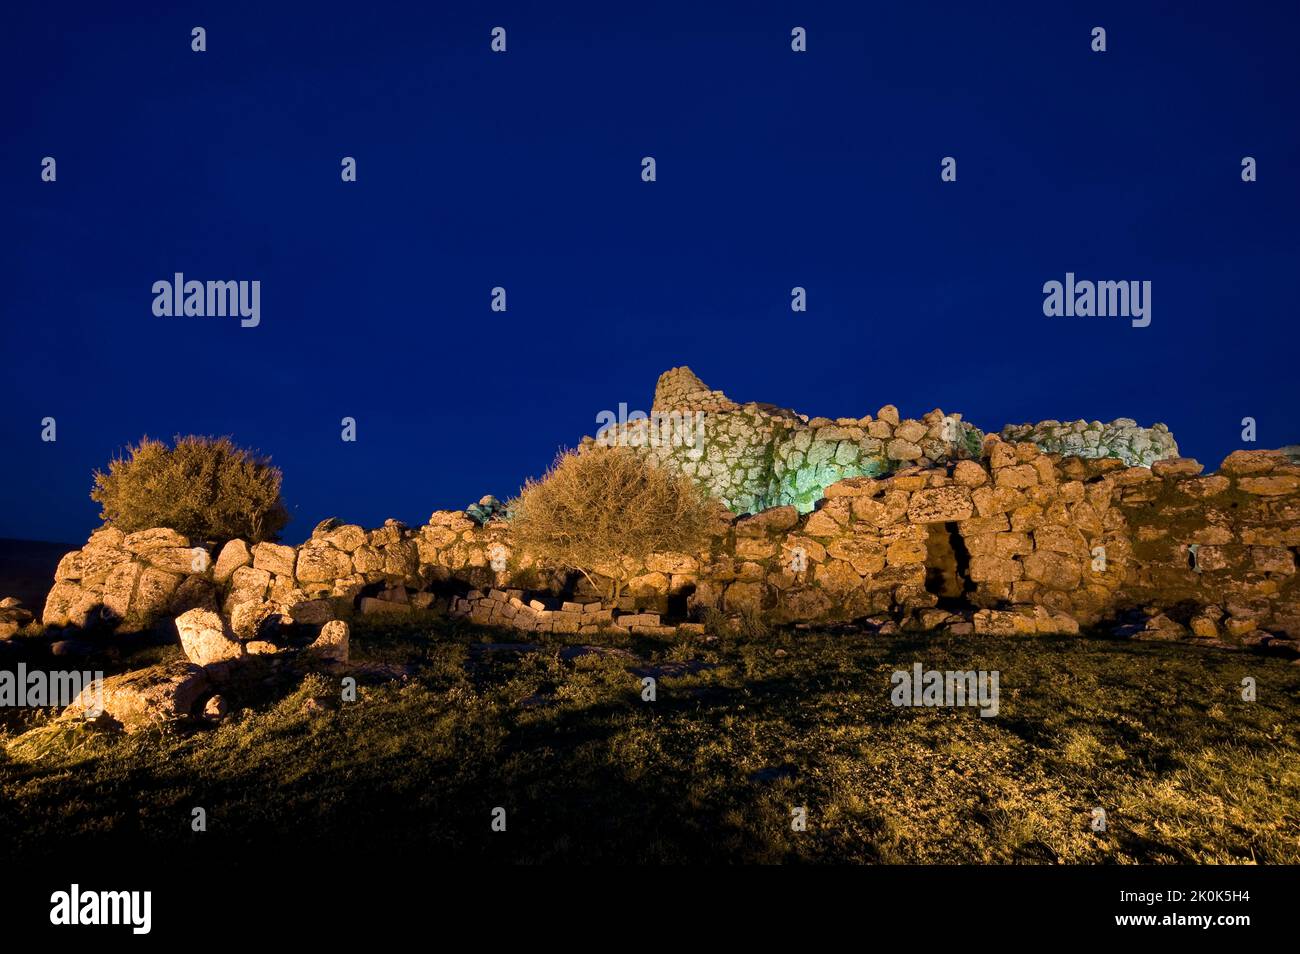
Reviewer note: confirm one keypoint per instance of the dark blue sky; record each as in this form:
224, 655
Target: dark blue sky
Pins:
775, 169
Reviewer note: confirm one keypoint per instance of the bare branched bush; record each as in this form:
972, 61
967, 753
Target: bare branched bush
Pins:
603, 511
204, 487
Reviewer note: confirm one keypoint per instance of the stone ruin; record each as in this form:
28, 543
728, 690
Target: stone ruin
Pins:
879, 520
1121, 438
755, 456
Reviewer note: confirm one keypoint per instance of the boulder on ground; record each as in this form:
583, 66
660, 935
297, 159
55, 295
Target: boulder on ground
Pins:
12, 617
332, 643
70, 605
144, 697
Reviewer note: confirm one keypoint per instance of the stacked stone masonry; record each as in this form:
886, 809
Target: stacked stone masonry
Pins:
753, 456
1012, 540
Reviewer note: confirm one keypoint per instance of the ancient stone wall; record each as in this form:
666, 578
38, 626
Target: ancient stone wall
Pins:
1220, 548
1016, 541
1015, 529
756, 456
1122, 439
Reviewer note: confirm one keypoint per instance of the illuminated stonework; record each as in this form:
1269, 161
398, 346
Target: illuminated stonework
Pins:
754, 456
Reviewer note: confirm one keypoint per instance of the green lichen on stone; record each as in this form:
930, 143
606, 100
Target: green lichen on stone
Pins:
755, 456
1121, 439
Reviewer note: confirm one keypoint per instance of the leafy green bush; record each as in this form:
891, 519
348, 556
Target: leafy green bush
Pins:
204, 487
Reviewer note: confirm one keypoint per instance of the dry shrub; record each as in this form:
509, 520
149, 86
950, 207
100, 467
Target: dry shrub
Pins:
204, 487
603, 511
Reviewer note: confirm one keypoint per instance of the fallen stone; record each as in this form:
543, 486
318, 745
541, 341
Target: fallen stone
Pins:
332, 643
145, 697
216, 708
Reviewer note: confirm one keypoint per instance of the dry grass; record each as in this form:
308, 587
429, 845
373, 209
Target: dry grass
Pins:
604, 511
1155, 734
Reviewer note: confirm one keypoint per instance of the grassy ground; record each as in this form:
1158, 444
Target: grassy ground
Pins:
1157, 735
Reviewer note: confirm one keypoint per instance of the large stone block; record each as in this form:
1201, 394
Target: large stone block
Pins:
145, 697
1053, 570
144, 540
322, 564
181, 560
206, 639
248, 584
90, 565
774, 520
347, 537
367, 560
863, 554
274, 558
233, 555
68, 604
992, 569
333, 642
1271, 486
940, 505
153, 593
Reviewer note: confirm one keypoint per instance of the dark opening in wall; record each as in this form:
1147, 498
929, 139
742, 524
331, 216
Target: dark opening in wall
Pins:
946, 564
679, 602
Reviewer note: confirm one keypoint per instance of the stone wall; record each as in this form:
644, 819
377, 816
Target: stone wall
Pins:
756, 456
923, 522
1222, 547
1015, 529
510, 609
1017, 540
1122, 438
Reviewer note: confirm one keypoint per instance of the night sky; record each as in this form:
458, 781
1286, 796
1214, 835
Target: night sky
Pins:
523, 170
